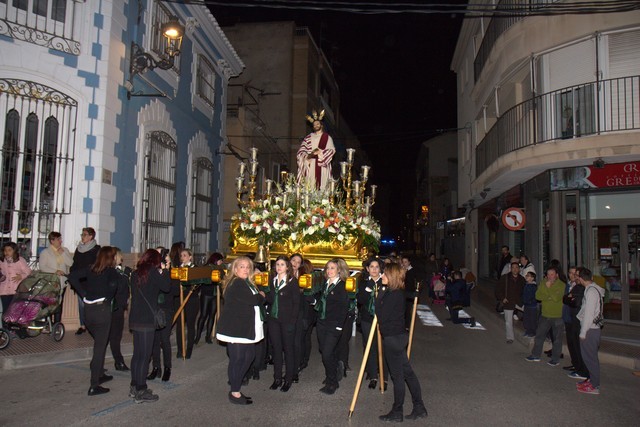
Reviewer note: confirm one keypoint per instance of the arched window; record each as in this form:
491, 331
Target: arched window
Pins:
28, 174
9, 168
36, 162
159, 198
201, 207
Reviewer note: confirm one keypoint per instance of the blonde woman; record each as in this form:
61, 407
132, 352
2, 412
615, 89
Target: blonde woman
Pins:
332, 307
240, 324
390, 311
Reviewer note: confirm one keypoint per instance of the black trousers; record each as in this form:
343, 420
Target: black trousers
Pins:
343, 344
309, 321
395, 353
372, 366
115, 335
162, 342
328, 339
572, 331
57, 317
142, 349
240, 358
98, 323
282, 337
190, 315
208, 308
298, 338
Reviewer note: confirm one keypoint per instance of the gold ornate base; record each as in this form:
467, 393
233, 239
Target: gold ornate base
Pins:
351, 250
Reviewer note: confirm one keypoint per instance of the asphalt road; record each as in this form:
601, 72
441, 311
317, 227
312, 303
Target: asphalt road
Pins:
469, 377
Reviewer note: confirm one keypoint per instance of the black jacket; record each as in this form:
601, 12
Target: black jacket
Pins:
141, 316
337, 305
390, 307
288, 301
94, 286
122, 296
363, 298
237, 317
84, 259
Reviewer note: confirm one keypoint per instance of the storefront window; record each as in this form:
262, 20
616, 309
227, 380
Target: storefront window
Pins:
606, 268
633, 272
545, 213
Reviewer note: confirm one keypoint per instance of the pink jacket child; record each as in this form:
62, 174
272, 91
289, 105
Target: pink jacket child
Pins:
14, 268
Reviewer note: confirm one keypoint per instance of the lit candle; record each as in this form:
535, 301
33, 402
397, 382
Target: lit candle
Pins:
343, 170
284, 199
254, 154
306, 200
367, 208
373, 192
364, 172
239, 182
283, 177
254, 168
350, 152
243, 168
332, 186
268, 182
367, 200
356, 188
297, 192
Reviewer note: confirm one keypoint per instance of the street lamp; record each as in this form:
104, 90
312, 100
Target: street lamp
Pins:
141, 61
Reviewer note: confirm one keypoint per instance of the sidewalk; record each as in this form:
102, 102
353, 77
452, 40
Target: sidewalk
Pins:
619, 345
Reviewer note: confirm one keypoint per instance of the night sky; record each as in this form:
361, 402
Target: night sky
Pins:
397, 90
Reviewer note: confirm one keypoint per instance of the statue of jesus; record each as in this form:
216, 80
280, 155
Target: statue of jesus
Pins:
315, 154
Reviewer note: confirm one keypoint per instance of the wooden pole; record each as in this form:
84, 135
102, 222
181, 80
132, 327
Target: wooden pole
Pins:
380, 360
367, 349
215, 321
181, 309
413, 320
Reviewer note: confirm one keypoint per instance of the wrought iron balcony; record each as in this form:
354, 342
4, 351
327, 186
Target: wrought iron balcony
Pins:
589, 109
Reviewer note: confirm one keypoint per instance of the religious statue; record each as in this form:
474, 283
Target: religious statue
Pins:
315, 154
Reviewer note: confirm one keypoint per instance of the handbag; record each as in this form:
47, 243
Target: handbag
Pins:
159, 317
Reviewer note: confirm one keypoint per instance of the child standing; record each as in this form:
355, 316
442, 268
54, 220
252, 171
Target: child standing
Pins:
530, 305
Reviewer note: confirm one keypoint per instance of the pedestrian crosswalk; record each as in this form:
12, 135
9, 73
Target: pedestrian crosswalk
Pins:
428, 318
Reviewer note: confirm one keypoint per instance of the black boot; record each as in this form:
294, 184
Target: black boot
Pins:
155, 372
394, 416
276, 384
209, 330
419, 411
167, 374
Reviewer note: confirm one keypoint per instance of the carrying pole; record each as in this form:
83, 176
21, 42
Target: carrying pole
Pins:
367, 349
380, 360
413, 320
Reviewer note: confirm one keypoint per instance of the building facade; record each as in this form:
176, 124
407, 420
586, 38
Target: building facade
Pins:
287, 76
548, 158
103, 129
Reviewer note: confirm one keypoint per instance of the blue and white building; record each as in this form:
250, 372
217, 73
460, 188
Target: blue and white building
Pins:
89, 143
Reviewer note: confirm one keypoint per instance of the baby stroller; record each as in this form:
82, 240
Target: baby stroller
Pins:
438, 288
31, 312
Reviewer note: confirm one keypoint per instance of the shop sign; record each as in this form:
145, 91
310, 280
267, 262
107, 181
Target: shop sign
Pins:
513, 219
584, 177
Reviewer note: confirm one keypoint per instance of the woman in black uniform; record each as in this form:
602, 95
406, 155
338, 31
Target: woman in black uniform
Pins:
98, 285
162, 337
240, 324
150, 278
284, 300
208, 303
390, 311
332, 307
367, 291
190, 309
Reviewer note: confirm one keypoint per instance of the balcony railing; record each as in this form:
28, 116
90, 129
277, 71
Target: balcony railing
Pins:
572, 112
499, 24
50, 24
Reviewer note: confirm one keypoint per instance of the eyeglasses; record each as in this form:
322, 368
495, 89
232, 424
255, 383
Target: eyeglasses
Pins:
85, 234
